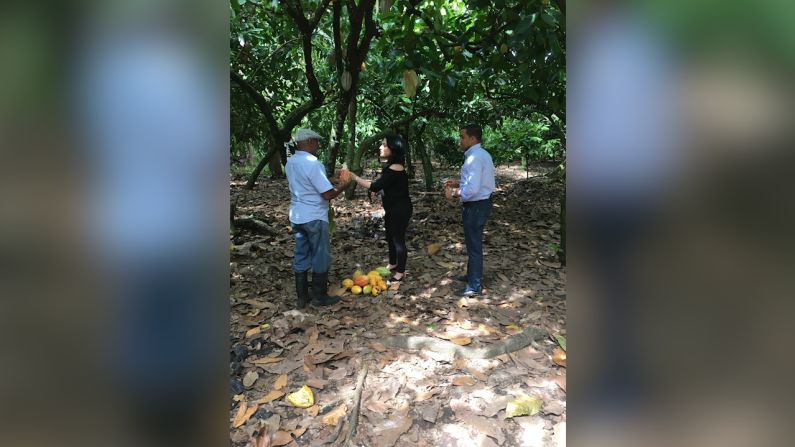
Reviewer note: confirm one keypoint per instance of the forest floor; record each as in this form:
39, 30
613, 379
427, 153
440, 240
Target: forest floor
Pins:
409, 397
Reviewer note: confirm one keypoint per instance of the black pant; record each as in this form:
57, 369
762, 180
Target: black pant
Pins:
396, 221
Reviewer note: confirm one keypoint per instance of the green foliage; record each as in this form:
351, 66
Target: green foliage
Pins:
523, 139
447, 151
500, 63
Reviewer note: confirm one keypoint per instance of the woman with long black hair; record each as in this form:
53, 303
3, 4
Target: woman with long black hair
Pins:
396, 200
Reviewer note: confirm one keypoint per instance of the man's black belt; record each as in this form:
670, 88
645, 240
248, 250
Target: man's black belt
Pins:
477, 201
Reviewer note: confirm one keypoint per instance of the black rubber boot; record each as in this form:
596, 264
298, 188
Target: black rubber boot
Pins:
320, 290
302, 288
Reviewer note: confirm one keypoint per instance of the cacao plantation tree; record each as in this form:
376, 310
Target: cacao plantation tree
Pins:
354, 71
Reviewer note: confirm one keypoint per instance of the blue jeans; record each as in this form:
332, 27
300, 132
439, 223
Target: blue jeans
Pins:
474, 216
312, 247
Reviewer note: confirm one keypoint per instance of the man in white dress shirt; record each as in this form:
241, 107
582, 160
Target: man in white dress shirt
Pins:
474, 189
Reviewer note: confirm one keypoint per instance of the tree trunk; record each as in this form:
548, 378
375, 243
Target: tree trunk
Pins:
275, 165
427, 167
252, 179
250, 153
349, 193
409, 164
339, 126
273, 153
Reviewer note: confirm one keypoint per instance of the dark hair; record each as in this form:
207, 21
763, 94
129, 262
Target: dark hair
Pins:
473, 130
397, 149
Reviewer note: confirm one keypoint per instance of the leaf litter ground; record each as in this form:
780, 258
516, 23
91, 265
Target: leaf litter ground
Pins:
409, 398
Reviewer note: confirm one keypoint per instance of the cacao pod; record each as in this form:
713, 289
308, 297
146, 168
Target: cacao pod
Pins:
410, 82
345, 80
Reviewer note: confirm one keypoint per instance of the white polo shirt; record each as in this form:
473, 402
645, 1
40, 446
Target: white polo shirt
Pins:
307, 179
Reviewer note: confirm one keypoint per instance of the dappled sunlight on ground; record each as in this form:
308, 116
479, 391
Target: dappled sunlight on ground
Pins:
410, 398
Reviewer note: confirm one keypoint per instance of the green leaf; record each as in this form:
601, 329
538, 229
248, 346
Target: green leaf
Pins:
561, 341
522, 406
548, 19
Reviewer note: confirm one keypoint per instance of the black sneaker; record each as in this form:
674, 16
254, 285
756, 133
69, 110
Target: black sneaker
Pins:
465, 292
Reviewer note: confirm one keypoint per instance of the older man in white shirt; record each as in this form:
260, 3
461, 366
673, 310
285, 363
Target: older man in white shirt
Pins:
310, 192
474, 189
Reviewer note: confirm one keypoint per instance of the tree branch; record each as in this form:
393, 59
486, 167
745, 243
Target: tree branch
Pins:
306, 30
370, 30
263, 104
318, 14
335, 27
355, 17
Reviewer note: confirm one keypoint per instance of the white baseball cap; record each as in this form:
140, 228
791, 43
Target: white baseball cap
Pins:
306, 134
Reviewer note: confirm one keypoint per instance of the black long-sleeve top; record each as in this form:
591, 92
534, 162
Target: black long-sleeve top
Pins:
395, 185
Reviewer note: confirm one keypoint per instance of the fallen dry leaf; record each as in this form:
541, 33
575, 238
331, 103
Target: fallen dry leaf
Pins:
388, 433
267, 360
433, 249
243, 414
461, 341
309, 363
283, 367
464, 381
378, 346
314, 382
337, 291
250, 378
484, 425
559, 357
425, 395
313, 410
343, 354
298, 432
377, 406
430, 412
281, 438
272, 423
280, 382
270, 397
486, 329
477, 374
512, 329
261, 438
333, 416
496, 405
338, 374
312, 334
241, 410
561, 382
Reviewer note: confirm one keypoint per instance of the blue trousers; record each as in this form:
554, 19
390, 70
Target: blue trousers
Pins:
474, 216
312, 247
